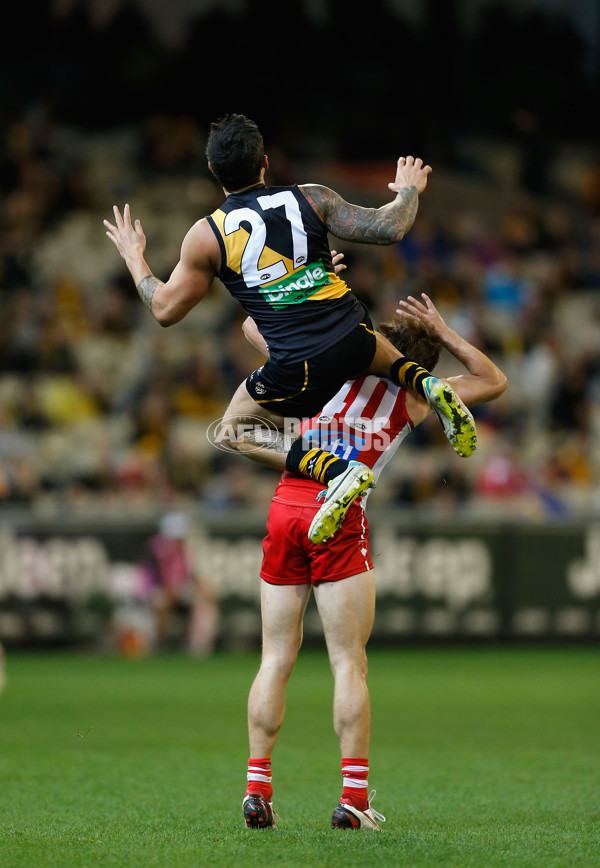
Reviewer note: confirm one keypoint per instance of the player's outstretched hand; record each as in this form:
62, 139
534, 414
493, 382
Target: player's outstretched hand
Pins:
129, 239
424, 310
336, 258
410, 172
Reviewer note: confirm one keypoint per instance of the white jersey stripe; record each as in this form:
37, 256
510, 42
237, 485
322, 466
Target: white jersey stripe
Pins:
357, 407
337, 402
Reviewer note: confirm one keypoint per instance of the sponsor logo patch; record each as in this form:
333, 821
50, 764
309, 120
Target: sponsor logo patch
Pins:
296, 287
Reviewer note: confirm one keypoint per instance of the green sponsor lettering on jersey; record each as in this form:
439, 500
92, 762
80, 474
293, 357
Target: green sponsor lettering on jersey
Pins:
297, 287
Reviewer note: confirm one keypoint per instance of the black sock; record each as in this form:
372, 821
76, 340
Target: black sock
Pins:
311, 461
409, 375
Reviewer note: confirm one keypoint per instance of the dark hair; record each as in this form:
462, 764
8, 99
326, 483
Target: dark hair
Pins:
235, 150
415, 339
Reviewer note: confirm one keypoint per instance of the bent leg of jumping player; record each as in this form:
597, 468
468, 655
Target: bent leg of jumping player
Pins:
248, 424
255, 430
386, 361
343, 481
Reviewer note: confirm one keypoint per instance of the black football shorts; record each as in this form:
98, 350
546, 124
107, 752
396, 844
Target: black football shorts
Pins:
301, 389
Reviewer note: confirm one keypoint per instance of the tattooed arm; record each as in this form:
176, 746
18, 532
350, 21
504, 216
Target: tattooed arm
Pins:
384, 225
146, 289
191, 278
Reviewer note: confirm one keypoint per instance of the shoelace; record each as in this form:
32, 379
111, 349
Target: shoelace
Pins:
375, 813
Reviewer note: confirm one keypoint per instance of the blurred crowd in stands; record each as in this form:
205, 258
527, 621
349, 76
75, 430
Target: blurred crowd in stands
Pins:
101, 409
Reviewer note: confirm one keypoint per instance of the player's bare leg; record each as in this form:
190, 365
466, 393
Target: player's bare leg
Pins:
250, 430
282, 610
347, 610
457, 420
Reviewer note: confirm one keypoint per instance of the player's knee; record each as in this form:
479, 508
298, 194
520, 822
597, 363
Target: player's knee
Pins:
280, 664
349, 663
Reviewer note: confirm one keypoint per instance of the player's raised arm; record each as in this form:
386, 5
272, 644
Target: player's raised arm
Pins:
190, 280
485, 381
385, 225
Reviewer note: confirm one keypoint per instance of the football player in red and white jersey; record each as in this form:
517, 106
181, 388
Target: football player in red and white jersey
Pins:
366, 421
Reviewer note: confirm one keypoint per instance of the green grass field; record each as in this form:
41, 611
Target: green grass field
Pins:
480, 758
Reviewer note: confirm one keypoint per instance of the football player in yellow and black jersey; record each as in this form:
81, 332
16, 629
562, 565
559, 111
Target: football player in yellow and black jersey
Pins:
269, 247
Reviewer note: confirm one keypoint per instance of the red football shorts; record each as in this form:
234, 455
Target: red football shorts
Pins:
289, 557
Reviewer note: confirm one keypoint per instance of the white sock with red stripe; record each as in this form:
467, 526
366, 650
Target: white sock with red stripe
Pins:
355, 774
259, 777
